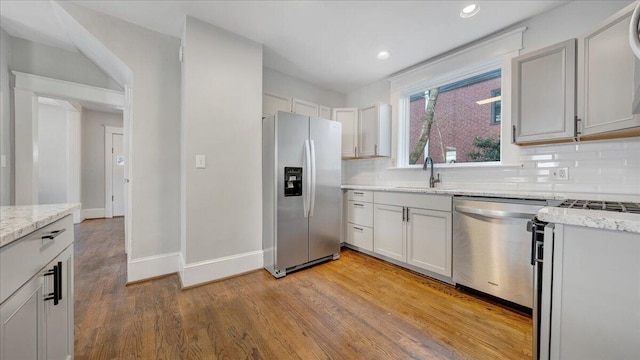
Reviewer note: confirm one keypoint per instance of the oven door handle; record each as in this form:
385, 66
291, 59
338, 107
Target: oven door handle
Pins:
495, 214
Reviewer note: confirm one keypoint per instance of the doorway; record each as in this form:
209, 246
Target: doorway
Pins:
114, 172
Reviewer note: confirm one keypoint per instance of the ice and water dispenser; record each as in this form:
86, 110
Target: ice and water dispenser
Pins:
292, 181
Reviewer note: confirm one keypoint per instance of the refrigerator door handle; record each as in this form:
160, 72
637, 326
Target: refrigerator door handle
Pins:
307, 165
312, 202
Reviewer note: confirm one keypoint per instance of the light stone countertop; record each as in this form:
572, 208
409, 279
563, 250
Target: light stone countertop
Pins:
444, 191
609, 220
18, 221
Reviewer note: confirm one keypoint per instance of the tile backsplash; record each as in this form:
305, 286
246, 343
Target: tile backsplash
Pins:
597, 167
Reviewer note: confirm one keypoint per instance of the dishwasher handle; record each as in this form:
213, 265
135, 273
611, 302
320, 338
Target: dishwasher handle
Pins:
495, 214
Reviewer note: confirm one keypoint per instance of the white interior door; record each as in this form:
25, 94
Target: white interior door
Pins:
117, 175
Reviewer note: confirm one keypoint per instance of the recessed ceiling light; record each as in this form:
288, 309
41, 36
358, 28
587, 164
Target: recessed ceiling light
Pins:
469, 10
382, 55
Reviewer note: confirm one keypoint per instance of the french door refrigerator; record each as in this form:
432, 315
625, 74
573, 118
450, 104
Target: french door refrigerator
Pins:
302, 199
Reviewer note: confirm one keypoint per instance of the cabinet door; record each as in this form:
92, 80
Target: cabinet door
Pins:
368, 132
324, 112
595, 294
349, 119
304, 108
606, 78
59, 318
272, 103
429, 240
20, 322
543, 93
389, 234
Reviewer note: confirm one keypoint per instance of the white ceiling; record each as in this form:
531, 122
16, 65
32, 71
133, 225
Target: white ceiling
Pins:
332, 44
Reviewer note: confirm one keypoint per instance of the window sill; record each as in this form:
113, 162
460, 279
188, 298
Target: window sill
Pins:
483, 165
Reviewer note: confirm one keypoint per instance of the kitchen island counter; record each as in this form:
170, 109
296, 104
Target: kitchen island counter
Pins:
18, 221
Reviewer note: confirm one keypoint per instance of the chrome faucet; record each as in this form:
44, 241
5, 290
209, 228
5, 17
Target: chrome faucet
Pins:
432, 180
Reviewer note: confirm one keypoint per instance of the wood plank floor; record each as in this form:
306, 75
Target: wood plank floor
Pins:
355, 308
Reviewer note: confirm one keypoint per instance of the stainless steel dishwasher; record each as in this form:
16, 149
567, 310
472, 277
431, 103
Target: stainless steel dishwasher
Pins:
492, 248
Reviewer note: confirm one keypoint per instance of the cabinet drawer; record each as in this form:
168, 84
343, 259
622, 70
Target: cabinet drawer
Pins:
23, 258
359, 195
360, 213
421, 201
360, 236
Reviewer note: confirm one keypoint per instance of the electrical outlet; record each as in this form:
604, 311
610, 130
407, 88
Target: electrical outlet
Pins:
560, 174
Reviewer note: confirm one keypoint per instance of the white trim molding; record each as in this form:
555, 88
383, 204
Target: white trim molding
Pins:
44, 86
152, 266
108, 168
478, 53
220, 268
96, 213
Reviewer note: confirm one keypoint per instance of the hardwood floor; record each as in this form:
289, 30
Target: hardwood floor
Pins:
355, 308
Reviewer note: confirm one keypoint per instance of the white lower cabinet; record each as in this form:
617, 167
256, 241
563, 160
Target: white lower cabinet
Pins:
21, 318
415, 229
359, 225
36, 317
389, 236
58, 318
590, 294
360, 236
429, 240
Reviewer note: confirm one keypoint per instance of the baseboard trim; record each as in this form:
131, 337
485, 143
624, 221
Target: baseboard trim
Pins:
211, 270
152, 266
97, 213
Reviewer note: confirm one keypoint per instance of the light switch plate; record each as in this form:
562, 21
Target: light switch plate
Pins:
201, 161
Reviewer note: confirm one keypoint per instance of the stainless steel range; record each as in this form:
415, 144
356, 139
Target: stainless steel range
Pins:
625, 207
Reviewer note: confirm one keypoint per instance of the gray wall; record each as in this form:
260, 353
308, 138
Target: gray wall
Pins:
282, 84
6, 129
222, 209
52, 154
38, 59
93, 129
154, 128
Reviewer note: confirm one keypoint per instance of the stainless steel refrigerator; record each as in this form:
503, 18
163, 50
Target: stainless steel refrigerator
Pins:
301, 196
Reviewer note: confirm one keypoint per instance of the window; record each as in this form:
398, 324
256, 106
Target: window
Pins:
496, 107
453, 123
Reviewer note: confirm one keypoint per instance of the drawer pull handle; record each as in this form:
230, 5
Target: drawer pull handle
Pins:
357, 228
52, 235
359, 205
357, 193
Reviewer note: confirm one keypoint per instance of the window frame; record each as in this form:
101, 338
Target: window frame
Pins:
405, 93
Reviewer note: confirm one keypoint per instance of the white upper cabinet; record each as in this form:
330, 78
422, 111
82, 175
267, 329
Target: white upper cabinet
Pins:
272, 103
348, 117
374, 131
304, 107
366, 132
553, 100
544, 85
324, 112
606, 77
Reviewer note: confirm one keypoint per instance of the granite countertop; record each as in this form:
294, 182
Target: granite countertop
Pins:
464, 192
18, 221
609, 220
